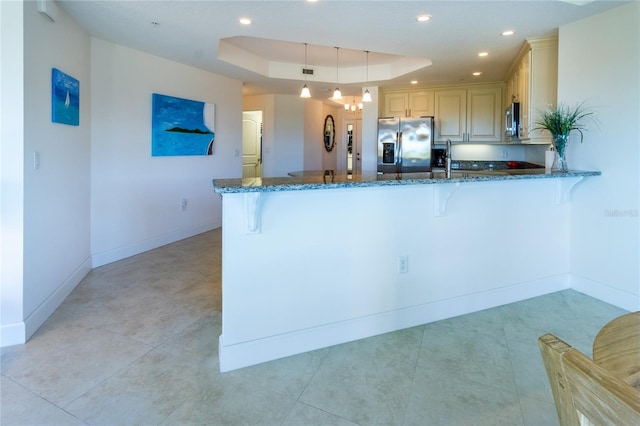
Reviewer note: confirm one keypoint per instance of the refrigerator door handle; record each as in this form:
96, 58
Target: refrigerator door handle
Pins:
400, 154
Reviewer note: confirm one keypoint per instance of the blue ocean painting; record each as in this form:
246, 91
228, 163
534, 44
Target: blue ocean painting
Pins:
181, 127
65, 98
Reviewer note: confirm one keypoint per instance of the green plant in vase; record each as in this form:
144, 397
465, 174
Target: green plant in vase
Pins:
560, 121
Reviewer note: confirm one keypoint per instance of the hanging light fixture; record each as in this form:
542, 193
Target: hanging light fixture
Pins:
305, 93
366, 97
352, 106
337, 95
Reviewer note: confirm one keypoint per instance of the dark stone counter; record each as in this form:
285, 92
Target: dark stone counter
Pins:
329, 179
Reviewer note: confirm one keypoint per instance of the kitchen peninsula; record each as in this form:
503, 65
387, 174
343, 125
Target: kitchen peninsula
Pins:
325, 258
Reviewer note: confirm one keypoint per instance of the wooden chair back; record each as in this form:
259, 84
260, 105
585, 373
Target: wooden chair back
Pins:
585, 393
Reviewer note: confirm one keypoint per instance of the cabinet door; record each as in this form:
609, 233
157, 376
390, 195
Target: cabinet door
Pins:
484, 115
396, 105
543, 86
450, 113
421, 103
525, 114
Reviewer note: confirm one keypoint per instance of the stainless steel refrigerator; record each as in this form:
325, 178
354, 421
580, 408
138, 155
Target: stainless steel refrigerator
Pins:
404, 144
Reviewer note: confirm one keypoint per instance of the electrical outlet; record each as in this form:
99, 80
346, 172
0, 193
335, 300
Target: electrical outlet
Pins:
403, 264
183, 204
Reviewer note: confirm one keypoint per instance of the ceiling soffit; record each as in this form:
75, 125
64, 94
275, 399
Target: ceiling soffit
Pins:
285, 60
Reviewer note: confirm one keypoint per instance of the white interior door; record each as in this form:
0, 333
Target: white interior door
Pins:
252, 144
352, 134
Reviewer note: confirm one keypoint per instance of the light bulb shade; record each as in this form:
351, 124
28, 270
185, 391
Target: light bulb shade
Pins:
346, 107
337, 95
305, 93
353, 108
366, 97
360, 105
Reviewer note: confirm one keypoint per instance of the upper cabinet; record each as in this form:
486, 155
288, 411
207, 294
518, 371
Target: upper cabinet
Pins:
469, 115
408, 104
533, 81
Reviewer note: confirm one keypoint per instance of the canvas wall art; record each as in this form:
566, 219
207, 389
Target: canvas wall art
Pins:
65, 98
182, 126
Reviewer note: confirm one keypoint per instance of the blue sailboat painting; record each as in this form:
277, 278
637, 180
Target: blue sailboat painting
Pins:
65, 98
181, 126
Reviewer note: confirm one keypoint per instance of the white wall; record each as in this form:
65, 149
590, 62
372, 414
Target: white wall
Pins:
12, 329
57, 195
284, 144
45, 211
136, 197
313, 130
288, 150
266, 104
370, 133
599, 61
497, 243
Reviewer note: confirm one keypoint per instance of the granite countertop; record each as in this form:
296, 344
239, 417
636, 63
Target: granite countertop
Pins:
329, 179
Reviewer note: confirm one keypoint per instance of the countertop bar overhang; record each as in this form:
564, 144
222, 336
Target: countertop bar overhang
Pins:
330, 179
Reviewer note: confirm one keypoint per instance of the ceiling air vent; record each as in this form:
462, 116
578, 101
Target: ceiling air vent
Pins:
307, 71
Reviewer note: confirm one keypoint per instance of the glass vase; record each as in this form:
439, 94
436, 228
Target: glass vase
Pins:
560, 157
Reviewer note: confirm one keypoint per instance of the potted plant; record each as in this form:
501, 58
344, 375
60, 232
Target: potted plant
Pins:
560, 121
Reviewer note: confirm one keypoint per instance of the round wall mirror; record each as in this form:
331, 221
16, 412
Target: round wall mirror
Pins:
329, 133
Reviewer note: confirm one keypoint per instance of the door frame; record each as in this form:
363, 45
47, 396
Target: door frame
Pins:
258, 115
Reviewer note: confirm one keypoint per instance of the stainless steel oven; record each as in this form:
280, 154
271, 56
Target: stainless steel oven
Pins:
512, 121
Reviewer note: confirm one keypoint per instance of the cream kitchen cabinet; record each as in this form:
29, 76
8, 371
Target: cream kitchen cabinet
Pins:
408, 104
533, 81
469, 114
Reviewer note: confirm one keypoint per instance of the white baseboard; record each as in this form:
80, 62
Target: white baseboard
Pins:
19, 333
269, 348
613, 296
51, 303
138, 247
12, 334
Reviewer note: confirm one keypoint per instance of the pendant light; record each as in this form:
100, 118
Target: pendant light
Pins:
366, 97
337, 95
305, 93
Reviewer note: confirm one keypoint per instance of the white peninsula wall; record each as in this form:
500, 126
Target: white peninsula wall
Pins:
323, 267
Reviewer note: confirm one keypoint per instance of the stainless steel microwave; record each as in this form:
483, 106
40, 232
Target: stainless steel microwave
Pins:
512, 121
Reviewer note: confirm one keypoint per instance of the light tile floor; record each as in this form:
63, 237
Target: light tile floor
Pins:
136, 343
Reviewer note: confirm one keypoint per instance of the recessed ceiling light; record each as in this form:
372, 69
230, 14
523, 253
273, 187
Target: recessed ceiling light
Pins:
245, 21
508, 33
414, 81
477, 73
423, 18
483, 54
